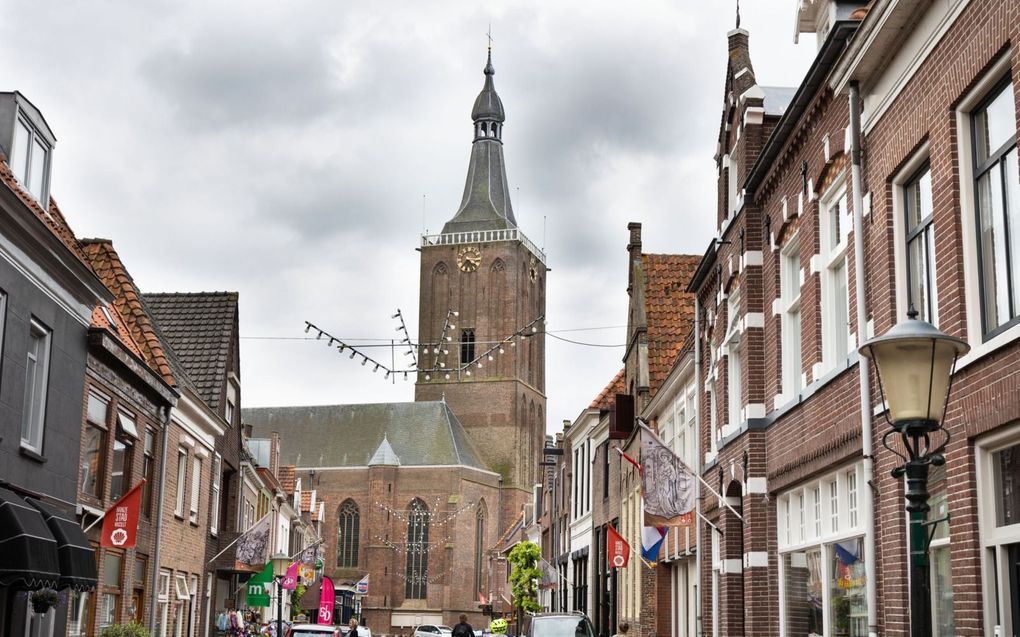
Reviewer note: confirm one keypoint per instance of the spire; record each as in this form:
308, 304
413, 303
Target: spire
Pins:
486, 202
384, 455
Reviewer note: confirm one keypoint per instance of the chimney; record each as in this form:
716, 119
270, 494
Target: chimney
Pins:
740, 60
634, 251
274, 454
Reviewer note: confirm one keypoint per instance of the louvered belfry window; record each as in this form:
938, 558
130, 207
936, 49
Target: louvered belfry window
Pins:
347, 539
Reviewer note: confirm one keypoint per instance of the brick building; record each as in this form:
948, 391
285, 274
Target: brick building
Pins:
407, 501
821, 247
130, 390
203, 506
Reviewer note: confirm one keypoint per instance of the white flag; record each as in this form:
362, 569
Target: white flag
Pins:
667, 483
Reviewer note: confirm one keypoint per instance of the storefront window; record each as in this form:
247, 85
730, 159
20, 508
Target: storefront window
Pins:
1007, 478
848, 600
942, 592
802, 587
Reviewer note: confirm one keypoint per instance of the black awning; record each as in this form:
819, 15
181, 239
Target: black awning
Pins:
28, 551
75, 555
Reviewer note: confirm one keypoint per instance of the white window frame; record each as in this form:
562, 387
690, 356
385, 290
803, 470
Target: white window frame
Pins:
904, 178
217, 485
181, 591
37, 376
182, 481
26, 180
734, 361
790, 323
163, 601
3, 321
196, 488
980, 347
789, 541
994, 539
836, 344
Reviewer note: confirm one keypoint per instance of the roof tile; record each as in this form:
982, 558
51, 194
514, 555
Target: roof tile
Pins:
669, 310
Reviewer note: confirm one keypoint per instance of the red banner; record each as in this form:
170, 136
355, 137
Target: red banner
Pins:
120, 524
617, 549
289, 582
326, 599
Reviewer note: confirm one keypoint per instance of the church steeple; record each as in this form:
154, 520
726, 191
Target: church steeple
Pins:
486, 202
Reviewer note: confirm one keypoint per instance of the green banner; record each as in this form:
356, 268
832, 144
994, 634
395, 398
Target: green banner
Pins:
258, 587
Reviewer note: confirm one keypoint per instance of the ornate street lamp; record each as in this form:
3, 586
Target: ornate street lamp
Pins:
915, 363
280, 564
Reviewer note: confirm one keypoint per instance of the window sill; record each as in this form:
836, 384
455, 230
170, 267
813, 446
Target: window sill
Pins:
179, 516
31, 454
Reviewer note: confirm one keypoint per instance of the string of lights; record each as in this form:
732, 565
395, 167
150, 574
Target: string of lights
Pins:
439, 350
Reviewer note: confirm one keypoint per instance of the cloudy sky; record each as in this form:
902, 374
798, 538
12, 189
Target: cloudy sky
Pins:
295, 151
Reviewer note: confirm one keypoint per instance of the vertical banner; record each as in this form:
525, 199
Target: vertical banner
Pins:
290, 579
253, 546
258, 588
120, 524
326, 599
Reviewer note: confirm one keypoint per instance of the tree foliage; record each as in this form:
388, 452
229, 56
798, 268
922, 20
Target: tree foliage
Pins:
131, 629
525, 575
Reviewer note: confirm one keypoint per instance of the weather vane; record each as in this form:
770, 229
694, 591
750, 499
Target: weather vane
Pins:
738, 14
488, 34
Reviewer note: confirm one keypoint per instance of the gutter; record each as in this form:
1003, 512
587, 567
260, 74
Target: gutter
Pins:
160, 500
828, 56
697, 467
864, 369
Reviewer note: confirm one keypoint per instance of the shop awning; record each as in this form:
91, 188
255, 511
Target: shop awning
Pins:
76, 557
28, 551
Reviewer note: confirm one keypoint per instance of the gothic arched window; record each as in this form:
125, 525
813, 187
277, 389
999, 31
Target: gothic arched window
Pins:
479, 545
417, 584
348, 524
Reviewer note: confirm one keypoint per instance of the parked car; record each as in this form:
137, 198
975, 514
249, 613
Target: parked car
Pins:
558, 625
432, 630
312, 630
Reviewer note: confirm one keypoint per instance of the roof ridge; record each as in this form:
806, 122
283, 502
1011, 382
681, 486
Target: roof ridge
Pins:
108, 266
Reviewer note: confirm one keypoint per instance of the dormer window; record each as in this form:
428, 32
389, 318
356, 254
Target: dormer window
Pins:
28, 143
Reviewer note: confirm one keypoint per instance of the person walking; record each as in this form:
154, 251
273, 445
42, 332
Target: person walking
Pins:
623, 627
463, 629
353, 624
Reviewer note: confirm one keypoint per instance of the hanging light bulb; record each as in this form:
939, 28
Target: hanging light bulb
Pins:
446, 352
455, 312
534, 328
405, 376
467, 373
447, 377
490, 357
479, 364
427, 377
513, 343
308, 326
363, 361
331, 341
397, 315
442, 364
387, 375
319, 335
353, 354
376, 369
502, 351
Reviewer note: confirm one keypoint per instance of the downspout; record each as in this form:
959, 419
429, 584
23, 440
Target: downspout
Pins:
864, 370
697, 466
160, 499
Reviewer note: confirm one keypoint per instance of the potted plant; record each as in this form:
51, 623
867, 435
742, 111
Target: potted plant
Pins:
44, 599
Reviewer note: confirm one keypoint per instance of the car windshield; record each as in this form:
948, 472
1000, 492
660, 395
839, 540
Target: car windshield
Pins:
560, 627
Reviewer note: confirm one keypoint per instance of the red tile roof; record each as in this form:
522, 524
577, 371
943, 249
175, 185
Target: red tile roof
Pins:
118, 328
106, 263
669, 310
287, 478
52, 218
607, 396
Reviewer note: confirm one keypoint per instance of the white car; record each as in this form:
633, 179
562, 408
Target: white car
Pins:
312, 630
433, 630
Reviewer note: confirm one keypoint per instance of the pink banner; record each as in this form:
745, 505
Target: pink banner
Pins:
290, 579
326, 598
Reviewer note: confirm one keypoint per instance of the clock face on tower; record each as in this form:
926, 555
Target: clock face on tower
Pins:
469, 258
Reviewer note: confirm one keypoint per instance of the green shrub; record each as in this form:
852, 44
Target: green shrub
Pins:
131, 629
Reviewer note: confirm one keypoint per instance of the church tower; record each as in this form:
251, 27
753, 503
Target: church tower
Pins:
482, 312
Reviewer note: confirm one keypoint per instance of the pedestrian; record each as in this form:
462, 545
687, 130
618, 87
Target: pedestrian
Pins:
463, 629
623, 628
353, 624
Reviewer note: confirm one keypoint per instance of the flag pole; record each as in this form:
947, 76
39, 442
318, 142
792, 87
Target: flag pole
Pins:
100, 518
241, 535
644, 425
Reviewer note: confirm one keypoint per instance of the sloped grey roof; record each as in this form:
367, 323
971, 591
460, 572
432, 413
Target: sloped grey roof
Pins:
384, 455
777, 98
199, 328
419, 433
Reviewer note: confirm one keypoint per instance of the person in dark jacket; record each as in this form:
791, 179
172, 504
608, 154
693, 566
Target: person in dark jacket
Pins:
463, 629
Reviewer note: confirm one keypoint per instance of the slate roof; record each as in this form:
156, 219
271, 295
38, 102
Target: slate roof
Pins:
199, 327
384, 455
607, 396
420, 433
669, 310
134, 319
